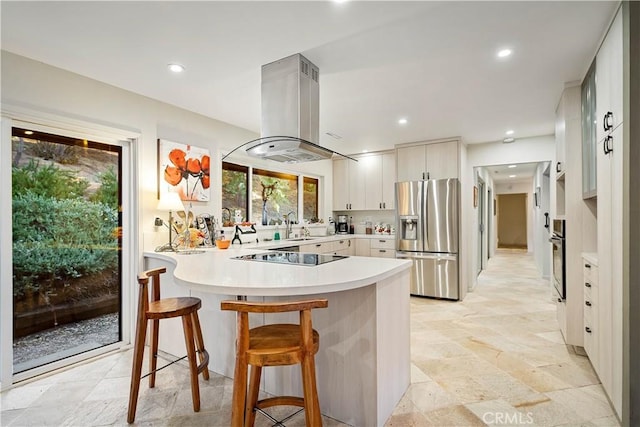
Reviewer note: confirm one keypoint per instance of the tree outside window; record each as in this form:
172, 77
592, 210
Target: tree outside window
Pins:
310, 198
234, 191
274, 195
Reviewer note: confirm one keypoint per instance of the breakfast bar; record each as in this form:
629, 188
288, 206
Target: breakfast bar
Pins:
363, 365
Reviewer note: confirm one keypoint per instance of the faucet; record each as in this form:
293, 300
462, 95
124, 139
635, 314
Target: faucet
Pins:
288, 222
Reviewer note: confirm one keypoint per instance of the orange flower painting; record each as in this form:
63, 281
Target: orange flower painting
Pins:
184, 169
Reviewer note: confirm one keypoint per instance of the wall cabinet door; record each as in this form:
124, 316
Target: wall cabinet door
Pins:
357, 189
388, 181
341, 184
442, 160
609, 78
589, 141
411, 163
379, 171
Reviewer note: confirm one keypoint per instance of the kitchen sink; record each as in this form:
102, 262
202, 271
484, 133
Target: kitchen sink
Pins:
300, 239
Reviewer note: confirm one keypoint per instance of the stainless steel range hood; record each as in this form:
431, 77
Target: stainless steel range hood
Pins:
290, 113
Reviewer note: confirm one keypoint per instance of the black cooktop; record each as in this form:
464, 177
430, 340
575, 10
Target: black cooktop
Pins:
292, 258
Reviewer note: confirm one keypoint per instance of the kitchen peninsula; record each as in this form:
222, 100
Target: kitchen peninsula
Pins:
363, 366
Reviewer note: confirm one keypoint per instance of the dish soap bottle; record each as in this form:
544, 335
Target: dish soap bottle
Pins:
276, 235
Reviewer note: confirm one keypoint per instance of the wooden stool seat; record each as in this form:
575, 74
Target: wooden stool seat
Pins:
274, 345
151, 309
173, 307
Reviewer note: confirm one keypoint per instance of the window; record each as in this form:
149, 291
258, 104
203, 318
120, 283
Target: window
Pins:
310, 198
274, 196
235, 180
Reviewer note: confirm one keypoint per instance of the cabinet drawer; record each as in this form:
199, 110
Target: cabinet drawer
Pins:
383, 253
382, 243
341, 244
590, 272
317, 248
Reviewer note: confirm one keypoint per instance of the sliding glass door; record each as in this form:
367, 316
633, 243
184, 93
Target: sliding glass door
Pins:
67, 246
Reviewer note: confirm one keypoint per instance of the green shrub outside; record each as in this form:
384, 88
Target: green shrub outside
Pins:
57, 233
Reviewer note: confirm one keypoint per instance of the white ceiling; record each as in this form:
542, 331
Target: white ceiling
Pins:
432, 62
503, 174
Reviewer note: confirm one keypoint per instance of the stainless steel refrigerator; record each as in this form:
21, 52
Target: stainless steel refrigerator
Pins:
427, 233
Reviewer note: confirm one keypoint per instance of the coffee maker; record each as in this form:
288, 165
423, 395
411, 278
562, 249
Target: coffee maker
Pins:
342, 226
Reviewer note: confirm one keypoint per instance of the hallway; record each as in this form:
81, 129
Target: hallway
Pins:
496, 358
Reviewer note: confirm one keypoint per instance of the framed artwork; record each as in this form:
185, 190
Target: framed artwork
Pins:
183, 169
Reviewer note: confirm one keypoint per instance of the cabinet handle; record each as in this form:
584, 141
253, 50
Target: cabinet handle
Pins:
546, 220
587, 266
381, 250
381, 241
422, 175
380, 205
558, 167
608, 140
587, 284
559, 299
318, 245
607, 121
587, 330
428, 175
341, 241
587, 303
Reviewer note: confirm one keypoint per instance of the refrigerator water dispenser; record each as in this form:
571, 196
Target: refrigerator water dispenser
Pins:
409, 227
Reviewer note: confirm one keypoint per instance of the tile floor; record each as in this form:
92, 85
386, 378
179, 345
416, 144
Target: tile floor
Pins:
497, 358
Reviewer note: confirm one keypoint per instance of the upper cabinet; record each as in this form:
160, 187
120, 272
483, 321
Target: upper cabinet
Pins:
589, 141
433, 160
609, 80
367, 184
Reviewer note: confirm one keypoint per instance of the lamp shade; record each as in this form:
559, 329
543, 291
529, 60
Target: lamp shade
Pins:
170, 202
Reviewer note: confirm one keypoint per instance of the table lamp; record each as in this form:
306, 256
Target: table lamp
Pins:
169, 202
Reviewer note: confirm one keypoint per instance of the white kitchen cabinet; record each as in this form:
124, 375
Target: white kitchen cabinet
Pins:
434, 160
363, 247
610, 258
383, 247
591, 308
344, 247
348, 185
316, 248
367, 184
609, 79
380, 176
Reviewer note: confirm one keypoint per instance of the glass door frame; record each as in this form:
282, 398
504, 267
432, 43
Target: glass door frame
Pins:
130, 238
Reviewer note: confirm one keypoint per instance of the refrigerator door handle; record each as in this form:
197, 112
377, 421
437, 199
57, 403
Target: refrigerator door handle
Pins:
444, 257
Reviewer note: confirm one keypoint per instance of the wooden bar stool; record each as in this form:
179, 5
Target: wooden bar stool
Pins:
274, 345
152, 308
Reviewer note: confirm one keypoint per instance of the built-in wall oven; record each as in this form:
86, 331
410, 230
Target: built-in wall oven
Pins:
559, 257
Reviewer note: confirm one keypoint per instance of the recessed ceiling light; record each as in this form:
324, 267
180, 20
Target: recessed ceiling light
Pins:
512, 176
504, 53
509, 132
402, 121
512, 166
507, 140
176, 68
28, 132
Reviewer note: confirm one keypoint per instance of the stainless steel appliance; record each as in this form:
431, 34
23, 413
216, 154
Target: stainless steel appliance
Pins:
342, 226
427, 233
559, 256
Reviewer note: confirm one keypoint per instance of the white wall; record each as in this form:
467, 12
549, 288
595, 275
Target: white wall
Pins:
45, 88
523, 150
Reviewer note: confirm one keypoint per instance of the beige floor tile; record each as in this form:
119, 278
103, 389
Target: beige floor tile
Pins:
496, 358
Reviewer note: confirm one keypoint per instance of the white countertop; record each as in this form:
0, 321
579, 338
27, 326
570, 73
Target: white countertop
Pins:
215, 271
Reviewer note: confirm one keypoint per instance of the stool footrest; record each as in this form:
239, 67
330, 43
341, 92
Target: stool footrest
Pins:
278, 422
280, 400
201, 367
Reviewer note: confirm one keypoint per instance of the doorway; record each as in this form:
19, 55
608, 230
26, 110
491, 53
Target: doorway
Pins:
512, 221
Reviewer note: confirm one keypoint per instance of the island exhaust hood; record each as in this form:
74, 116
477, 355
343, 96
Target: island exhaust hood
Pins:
290, 113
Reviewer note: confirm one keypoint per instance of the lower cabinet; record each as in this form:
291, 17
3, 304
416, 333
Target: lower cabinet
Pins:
591, 313
383, 248
363, 247
344, 247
